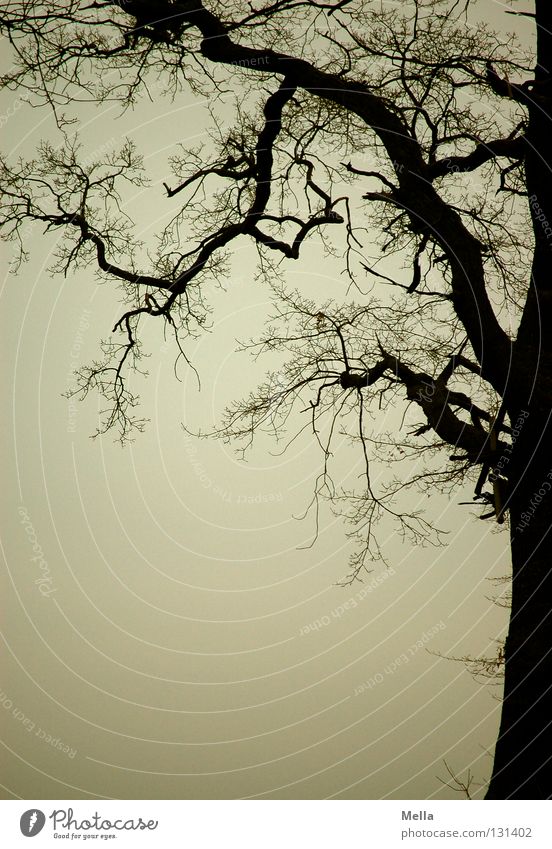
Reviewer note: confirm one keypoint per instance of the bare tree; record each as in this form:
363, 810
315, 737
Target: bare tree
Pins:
442, 128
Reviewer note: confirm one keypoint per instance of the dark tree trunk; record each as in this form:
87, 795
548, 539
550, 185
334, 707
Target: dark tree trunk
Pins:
523, 757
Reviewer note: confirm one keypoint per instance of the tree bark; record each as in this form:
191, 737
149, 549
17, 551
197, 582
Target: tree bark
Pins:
523, 756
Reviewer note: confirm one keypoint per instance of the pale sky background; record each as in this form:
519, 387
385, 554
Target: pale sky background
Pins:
169, 659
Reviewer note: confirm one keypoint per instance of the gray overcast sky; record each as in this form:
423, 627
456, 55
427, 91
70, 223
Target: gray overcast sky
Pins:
168, 653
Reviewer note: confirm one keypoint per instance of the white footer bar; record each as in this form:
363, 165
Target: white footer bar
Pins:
278, 824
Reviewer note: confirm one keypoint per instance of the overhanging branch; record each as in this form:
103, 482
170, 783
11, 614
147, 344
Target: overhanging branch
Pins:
416, 194
484, 152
